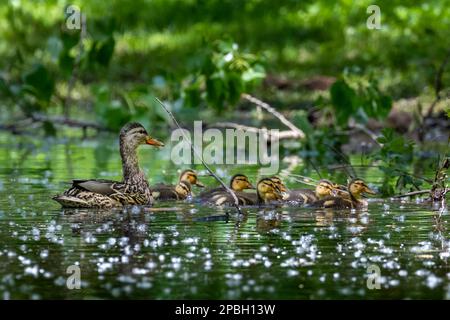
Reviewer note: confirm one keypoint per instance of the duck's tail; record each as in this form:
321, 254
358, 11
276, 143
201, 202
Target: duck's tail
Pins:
71, 202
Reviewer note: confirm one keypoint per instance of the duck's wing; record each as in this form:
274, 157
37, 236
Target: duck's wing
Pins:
164, 193
224, 198
100, 186
210, 192
301, 196
332, 202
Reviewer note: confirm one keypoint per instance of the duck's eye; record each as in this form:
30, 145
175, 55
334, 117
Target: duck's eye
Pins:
140, 132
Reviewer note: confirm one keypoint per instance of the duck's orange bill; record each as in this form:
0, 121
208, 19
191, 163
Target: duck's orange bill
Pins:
153, 142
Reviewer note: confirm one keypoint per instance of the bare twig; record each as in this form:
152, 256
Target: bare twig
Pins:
410, 194
231, 192
440, 188
274, 112
368, 132
267, 134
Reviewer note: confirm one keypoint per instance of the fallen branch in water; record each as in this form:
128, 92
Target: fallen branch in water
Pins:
267, 133
275, 113
68, 122
411, 194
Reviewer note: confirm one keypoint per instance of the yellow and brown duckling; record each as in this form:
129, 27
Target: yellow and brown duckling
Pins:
239, 182
133, 190
191, 176
356, 188
323, 189
181, 190
178, 192
279, 183
266, 192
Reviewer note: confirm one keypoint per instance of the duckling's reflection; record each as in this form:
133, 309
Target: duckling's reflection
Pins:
324, 218
357, 221
268, 220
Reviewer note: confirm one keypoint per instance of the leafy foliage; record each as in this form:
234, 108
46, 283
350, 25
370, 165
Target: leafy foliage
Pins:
359, 100
394, 158
39, 82
223, 76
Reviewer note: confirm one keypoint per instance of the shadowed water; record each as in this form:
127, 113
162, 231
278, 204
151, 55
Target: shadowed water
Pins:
192, 251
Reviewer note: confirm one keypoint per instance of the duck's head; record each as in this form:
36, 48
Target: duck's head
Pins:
324, 188
183, 188
134, 134
240, 182
191, 176
356, 187
279, 184
268, 191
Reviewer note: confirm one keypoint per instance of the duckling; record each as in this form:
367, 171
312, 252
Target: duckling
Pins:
191, 176
133, 190
303, 196
279, 183
239, 182
356, 188
266, 192
179, 192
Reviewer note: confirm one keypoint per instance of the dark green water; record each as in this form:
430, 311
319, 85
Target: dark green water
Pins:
194, 252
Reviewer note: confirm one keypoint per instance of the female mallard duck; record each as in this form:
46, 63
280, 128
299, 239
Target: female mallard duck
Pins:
133, 190
303, 196
180, 191
239, 182
266, 192
354, 200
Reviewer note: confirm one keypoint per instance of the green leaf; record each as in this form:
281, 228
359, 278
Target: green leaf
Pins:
39, 82
251, 75
49, 128
105, 51
343, 98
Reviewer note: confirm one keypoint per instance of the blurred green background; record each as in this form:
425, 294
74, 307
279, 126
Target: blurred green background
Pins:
343, 84
205, 53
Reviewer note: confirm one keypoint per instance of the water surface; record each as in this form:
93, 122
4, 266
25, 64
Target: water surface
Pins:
199, 252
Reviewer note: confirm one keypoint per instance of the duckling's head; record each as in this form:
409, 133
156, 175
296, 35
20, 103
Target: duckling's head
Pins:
191, 176
357, 186
183, 188
240, 182
280, 185
268, 191
134, 134
324, 188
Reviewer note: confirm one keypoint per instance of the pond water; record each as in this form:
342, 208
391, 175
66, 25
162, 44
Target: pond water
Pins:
198, 252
